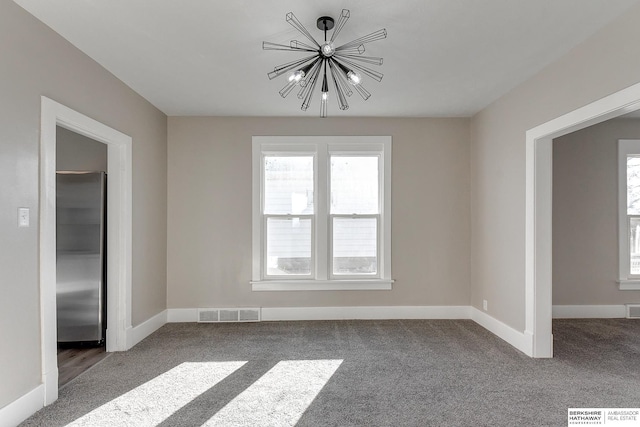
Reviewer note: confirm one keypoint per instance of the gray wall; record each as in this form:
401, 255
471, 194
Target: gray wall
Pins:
209, 253
36, 61
603, 64
585, 215
75, 152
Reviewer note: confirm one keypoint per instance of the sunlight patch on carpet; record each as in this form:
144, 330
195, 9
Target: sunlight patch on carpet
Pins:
279, 397
156, 400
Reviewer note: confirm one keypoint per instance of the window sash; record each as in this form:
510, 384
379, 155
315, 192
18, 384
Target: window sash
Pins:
633, 239
335, 276
364, 153
265, 257
287, 153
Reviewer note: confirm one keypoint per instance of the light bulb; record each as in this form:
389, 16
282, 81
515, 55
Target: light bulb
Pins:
327, 49
354, 78
296, 76
323, 104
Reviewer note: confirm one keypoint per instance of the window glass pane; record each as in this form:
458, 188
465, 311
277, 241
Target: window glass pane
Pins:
634, 245
288, 185
355, 248
633, 185
354, 185
288, 246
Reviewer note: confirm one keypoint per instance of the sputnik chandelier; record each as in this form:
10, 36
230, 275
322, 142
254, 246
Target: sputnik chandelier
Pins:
342, 65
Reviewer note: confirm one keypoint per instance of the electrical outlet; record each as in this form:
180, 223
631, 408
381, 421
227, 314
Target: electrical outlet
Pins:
485, 305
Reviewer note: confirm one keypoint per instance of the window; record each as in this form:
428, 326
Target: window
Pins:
629, 213
321, 213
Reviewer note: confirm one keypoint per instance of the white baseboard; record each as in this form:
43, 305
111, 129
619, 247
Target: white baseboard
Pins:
21, 409
178, 315
589, 311
520, 340
50, 384
182, 315
146, 328
365, 313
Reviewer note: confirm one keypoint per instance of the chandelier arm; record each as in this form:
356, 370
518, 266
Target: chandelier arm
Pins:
362, 91
306, 83
295, 62
376, 35
276, 46
342, 70
357, 50
325, 87
342, 20
323, 108
325, 92
281, 69
373, 60
295, 23
286, 90
297, 44
309, 96
341, 77
369, 72
342, 100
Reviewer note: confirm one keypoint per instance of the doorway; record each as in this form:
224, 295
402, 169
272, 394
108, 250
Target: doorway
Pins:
81, 224
589, 192
119, 212
538, 208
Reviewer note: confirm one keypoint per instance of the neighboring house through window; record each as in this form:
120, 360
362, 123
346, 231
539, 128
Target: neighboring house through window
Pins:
321, 213
629, 213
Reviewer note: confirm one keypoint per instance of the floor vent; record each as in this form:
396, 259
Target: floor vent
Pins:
633, 311
222, 315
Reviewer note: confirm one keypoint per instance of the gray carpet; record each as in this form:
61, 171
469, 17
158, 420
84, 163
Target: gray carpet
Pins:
353, 373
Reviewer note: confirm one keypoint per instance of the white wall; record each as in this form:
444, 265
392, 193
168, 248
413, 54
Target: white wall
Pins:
35, 62
209, 253
604, 64
585, 215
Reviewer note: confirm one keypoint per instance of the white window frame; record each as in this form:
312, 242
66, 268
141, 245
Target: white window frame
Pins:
321, 147
626, 280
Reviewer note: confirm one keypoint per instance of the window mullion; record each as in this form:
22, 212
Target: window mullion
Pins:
321, 180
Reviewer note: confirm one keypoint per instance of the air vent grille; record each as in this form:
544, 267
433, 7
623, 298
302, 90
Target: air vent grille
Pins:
633, 311
225, 315
228, 315
249, 315
207, 315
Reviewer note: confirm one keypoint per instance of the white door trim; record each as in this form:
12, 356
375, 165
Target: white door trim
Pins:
538, 215
119, 212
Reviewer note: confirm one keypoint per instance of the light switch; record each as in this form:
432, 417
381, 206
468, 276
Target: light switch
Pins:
23, 217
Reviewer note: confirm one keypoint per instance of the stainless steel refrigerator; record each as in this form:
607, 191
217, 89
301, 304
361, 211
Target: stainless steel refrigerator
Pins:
81, 256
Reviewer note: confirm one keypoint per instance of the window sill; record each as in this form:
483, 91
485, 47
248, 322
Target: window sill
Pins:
629, 284
322, 285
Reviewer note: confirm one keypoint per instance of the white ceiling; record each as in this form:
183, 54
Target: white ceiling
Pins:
441, 57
